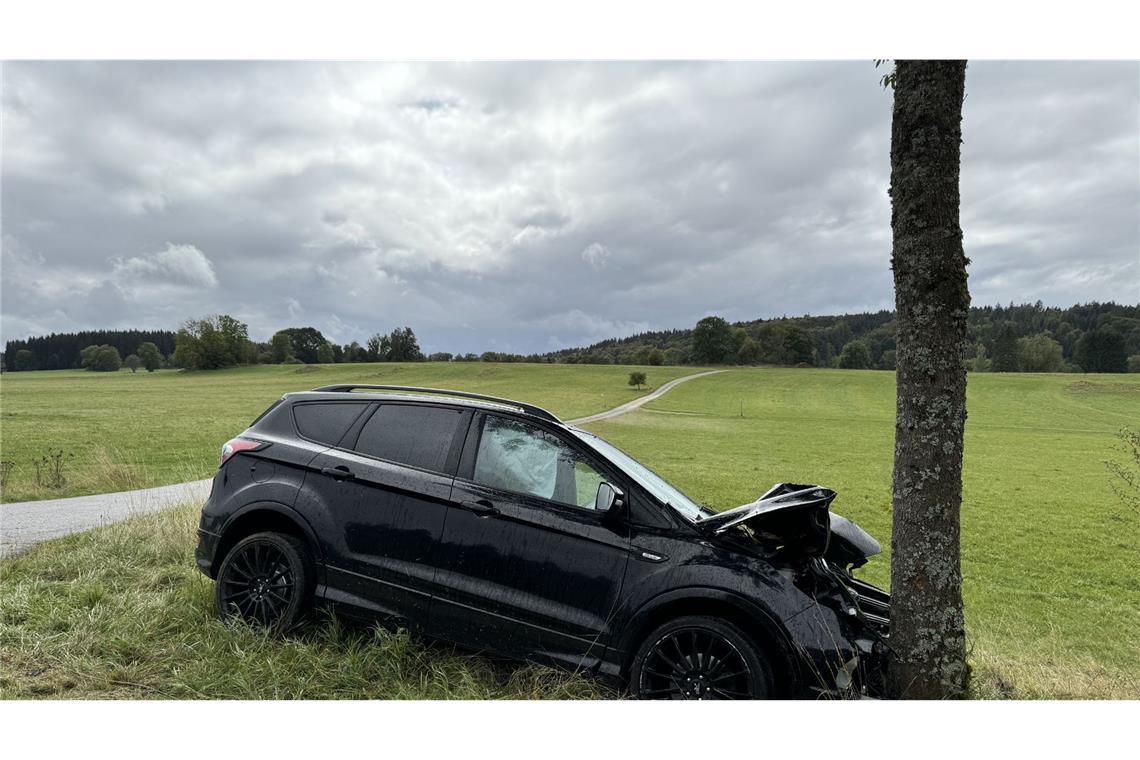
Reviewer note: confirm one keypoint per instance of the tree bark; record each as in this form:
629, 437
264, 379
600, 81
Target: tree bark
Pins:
932, 302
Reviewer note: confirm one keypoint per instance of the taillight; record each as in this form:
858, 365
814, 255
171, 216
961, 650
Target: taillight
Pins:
238, 445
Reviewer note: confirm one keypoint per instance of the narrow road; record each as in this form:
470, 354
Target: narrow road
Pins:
25, 523
641, 401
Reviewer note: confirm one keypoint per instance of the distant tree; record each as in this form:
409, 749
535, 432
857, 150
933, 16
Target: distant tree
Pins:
354, 352
637, 379
440, 356
1102, 350
265, 357
87, 355
675, 356
403, 346
281, 346
379, 346
799, 344
1005, 354
25, 360
304, 342
656, 357
150, 356
212, 342
132, 362
888, 360
642, 354
337, 353
712, 341
106, 359
325, 353
1039, 353
978, 362
1134, 363
855, 355
749, 352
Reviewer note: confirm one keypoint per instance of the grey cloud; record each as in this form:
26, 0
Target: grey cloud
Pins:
525, 206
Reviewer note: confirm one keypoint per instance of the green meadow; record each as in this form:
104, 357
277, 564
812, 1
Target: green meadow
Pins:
120, 431
1050, 555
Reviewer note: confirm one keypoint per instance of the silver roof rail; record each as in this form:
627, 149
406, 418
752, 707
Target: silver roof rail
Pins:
531, 409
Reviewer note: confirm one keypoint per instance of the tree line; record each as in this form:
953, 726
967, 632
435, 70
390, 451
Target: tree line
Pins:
65, 350
1094, 337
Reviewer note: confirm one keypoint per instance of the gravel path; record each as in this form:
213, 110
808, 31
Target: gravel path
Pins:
639, 402
28, 522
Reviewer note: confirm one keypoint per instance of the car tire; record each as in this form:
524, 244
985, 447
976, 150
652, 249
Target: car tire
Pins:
266, 581
700, 657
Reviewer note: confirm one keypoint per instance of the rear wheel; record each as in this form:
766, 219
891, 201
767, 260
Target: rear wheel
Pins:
698, 657
264, 580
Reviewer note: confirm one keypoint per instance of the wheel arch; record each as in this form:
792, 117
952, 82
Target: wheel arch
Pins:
265, 516
752, 618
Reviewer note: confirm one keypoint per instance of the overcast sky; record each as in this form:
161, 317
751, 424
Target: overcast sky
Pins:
526, 207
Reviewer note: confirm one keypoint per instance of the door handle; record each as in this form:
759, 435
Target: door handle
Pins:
481, 507
337, 473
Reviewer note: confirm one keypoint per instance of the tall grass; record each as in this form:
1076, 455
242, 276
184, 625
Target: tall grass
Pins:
121, 612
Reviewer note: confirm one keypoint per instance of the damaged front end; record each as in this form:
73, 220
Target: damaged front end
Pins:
792, 527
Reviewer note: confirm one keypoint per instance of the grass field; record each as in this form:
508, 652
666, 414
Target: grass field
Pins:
121, 612
121, 431
1050, 555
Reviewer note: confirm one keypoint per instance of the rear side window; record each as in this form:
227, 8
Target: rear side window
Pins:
419, 436
326, 423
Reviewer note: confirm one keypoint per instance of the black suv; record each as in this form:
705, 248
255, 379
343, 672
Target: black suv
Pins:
491, 524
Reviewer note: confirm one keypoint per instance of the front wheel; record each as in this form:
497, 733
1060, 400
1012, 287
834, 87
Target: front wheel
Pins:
264, 580
698, 657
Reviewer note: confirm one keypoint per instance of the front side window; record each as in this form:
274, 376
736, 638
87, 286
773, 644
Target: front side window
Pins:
420, 436
516, 456
665, 491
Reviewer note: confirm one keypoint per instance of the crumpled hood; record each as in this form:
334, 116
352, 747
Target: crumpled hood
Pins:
778, 498
796, 519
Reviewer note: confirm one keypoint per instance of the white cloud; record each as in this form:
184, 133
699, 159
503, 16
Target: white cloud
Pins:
174, 265
596, 255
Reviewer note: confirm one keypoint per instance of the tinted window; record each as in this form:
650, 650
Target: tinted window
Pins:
420, 436
516, 456
326, 422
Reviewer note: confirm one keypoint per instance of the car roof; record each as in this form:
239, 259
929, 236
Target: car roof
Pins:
416, 394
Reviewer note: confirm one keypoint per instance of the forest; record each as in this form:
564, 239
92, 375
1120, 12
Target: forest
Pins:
1092, 337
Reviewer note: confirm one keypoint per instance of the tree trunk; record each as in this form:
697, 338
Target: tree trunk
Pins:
932, 302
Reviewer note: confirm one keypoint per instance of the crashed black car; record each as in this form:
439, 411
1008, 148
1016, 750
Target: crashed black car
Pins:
491, 524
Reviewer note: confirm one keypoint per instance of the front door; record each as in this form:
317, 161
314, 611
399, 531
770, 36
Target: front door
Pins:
532, 567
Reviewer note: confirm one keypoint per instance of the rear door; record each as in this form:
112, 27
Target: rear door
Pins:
531, 566
386, 491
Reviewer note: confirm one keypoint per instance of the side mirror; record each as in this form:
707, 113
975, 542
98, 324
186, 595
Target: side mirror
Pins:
608, 497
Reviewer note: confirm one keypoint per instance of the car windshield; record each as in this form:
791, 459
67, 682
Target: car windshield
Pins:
665, 492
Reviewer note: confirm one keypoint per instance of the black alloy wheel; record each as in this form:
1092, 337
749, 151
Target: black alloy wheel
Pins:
699, 658
264, 580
